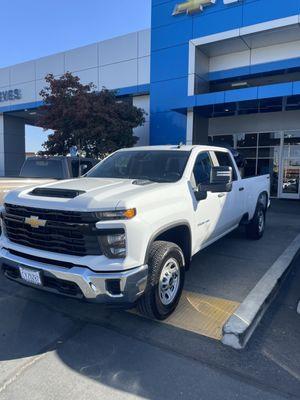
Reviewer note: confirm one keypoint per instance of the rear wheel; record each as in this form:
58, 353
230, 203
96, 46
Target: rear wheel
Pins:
256, 227
165, 280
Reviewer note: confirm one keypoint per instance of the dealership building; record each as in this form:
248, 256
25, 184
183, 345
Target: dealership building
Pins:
207, 71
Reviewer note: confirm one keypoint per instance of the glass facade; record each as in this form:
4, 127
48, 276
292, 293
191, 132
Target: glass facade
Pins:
274, 153
291, 165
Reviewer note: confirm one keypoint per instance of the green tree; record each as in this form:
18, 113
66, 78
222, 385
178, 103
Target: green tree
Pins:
97, 123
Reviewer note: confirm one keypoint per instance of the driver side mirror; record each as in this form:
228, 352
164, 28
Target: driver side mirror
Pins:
220, 179
220, 182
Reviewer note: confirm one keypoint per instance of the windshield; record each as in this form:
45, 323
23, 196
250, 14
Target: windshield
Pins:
42, 169
156, 165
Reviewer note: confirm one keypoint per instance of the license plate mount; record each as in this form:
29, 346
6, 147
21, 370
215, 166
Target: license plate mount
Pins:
31, 276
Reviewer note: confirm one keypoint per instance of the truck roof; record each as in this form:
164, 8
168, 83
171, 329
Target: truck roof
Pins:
56, 158
175, 147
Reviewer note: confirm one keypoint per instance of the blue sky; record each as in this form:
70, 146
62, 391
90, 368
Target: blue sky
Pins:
32, 29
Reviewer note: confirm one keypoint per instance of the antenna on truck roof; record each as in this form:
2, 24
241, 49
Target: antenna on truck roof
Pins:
179, 145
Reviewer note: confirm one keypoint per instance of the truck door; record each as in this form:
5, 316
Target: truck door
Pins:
206, 211
231, 203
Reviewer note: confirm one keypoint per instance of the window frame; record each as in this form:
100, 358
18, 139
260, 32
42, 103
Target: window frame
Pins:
235, 176
192, 176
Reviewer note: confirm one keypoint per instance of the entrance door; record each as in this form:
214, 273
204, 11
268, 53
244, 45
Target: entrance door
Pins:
290, 183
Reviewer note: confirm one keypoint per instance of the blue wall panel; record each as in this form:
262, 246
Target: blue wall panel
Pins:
168, 128
296, 88
279, 90
226, 19
265, 10
165, 94
170, 53
175, 63
173, 35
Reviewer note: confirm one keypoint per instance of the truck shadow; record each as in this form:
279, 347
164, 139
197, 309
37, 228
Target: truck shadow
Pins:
119, 350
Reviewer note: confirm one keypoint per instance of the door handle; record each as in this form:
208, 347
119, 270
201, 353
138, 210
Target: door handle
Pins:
220, 195
241, 189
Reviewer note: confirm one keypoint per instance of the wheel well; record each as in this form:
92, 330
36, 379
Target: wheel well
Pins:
264, 199
181, 236
245, 219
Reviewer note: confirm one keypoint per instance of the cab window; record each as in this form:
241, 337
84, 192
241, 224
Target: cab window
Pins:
202, 169
225, 160
80, 168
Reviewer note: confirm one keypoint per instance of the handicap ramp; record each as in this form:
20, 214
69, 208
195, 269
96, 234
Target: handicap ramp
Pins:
201, 314
228, 276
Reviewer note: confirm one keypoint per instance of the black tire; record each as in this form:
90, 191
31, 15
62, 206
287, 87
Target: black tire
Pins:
256, 227
151, 303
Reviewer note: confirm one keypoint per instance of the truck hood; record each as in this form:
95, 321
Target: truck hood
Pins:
98, 194
7, 184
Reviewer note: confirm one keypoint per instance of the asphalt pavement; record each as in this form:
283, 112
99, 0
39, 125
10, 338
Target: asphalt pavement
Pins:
52, 347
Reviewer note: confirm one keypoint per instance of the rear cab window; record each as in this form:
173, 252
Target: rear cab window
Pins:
42, 168
80, 166
225, 160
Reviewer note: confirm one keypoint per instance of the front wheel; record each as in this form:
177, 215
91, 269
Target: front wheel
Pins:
165, 281
256, 227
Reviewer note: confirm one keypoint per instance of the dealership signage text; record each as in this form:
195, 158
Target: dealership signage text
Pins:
10, 95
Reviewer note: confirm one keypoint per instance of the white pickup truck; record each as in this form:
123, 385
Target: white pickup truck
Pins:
127, 231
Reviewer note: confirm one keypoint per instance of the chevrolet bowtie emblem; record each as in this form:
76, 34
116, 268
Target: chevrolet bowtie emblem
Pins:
35, 222
192, 6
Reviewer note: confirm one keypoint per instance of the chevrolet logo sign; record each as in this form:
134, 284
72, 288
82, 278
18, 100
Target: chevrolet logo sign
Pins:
192, 6
35, 222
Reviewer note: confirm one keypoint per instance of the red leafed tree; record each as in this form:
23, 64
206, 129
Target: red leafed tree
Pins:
97, 123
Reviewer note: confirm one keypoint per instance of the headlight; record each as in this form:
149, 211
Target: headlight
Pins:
116, 214
113, 245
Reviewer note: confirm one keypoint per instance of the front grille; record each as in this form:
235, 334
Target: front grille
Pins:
56, 263
65, 232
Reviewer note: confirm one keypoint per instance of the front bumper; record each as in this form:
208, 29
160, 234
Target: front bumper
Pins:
123, 287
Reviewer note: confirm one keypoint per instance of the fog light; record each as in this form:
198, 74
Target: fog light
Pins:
113, 286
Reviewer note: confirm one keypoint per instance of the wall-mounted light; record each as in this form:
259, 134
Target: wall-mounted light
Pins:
239, 84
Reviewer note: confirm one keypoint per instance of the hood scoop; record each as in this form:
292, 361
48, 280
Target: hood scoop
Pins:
58, 193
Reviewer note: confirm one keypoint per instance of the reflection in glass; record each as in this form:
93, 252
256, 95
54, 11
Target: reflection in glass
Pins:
291, 144
291, 151
269, 139
292, 138
223, 140
264, 154
270, 166
291, 175
247, 140
248, 153
250, 168
267, 152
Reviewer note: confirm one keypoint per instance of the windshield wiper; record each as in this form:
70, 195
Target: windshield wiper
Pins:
153, 179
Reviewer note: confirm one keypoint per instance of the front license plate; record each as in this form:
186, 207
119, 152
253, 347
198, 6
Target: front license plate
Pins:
31, 276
